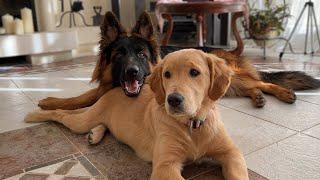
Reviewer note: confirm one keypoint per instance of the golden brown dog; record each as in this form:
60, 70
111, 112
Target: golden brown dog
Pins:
157, 124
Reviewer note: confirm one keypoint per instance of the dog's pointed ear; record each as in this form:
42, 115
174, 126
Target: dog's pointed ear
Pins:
144, 26
111, 28
155, 81
220, 77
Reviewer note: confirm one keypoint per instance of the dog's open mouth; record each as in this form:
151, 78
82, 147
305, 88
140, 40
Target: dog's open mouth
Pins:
132, 87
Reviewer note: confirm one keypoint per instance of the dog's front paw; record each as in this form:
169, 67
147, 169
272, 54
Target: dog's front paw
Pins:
31, 117
288, 96
259, 101
47, 103
94, 138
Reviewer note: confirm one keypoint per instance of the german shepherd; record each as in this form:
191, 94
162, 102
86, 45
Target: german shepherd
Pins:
125, 60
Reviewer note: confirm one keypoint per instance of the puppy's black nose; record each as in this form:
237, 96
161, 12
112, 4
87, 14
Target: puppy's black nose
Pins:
132, 71
175, 99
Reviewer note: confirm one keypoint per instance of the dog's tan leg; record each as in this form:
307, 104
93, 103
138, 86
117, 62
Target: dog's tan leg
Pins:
281, 93
168, 171
224, 151
233, 165
256, 96
167, 160
96, 134
79, 121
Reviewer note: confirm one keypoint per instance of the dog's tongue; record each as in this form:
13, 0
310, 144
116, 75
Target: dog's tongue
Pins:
132, 86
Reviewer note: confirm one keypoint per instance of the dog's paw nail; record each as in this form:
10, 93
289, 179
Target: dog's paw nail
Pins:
89, 138
259, 101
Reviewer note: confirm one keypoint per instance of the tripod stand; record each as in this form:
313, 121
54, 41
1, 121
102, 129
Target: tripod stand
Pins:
311, 18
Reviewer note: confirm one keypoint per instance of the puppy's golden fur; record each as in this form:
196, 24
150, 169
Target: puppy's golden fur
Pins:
153, 129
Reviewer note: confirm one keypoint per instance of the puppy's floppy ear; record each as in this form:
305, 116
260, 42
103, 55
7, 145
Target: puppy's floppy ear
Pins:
156, 85
144, 28
111, 29
220, 77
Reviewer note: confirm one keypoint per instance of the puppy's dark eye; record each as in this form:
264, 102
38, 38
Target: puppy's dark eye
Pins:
141, 55
167, 74
194, 73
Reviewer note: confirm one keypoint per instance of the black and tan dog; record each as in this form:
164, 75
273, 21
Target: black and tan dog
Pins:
125, 60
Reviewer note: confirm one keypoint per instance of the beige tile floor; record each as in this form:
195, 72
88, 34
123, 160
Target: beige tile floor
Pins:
280, 141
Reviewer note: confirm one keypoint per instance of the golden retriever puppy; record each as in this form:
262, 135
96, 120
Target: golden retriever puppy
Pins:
172, 121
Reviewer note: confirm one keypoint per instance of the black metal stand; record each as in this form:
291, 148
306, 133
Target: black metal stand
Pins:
72, 21
311, 16
268, 39
76, 7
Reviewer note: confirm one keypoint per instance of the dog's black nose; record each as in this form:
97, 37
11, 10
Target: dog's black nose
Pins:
175, 99
132, 71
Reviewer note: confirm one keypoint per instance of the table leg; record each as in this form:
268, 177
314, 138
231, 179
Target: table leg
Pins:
264, 49
204, 25
200, 29
167, 36
239, 49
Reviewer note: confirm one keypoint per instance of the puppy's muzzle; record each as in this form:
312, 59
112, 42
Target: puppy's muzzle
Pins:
175, 100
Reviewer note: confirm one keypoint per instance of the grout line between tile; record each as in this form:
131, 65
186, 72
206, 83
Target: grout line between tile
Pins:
310, 135
94, 166
24, 93
79, 150
48, 163
259, 118
309, 127
76, 147
271, 144
308, 101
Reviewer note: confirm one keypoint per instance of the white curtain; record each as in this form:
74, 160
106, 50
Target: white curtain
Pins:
295, 7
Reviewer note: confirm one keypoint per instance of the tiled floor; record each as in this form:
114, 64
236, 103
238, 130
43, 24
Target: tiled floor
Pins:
280, 141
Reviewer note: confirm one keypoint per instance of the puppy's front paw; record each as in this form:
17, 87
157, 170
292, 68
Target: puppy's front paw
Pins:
93, 138
31, 117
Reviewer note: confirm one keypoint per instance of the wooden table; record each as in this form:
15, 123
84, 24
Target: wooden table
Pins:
237, 8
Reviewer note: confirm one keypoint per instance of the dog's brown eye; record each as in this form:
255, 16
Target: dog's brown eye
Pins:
167, 74
141, 55
194, 73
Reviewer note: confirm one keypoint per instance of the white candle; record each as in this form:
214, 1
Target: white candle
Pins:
2, 30
26, 16
18, 26
47, 20
7, 21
